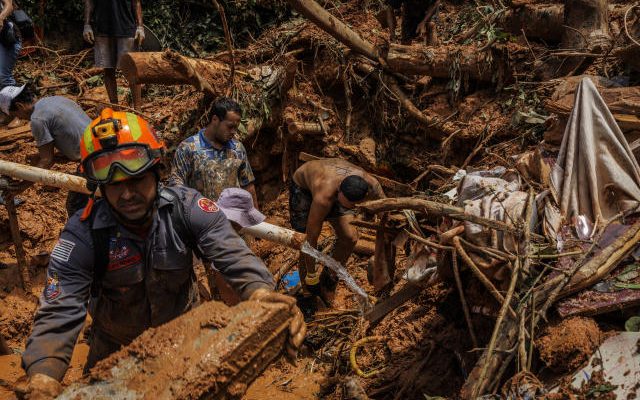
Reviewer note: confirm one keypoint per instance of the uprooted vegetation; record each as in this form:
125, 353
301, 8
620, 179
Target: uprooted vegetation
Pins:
494, 92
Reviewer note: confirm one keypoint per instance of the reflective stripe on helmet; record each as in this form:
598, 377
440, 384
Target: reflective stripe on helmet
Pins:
88, 140
134, 126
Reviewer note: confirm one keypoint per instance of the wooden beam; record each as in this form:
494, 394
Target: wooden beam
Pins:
21, 132
14, 226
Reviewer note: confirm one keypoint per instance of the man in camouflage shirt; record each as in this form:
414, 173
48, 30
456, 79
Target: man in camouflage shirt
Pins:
212, 160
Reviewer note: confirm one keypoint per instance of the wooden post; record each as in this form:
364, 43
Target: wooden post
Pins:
14, 226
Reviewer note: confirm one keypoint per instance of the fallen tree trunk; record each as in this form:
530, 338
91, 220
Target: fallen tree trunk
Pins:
336, 28
436, 61
157, 67
541, 21
586, 29
440, 61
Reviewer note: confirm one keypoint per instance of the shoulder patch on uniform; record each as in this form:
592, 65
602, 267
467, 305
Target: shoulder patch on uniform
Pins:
207, 205
52, 289
62, 250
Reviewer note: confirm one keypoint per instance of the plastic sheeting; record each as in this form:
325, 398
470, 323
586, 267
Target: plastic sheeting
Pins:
596, 174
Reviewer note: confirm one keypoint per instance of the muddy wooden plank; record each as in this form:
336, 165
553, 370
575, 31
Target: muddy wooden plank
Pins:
403, 295
591, 302
212, 352
21, 132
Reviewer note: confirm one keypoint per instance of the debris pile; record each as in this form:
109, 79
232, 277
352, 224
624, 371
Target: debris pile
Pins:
506, 137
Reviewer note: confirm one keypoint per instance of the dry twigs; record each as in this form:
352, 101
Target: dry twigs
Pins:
227, 37
463, 300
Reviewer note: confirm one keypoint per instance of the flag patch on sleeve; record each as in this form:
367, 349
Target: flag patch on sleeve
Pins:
63, 250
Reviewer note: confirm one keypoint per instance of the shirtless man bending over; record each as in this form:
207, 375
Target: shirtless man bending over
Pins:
328, 189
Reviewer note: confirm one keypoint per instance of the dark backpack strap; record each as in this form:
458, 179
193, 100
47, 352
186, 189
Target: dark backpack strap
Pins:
179, 220
100, 239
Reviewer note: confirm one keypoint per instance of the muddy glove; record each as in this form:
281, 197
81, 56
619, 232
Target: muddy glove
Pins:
139, 36
297, 327
38, 387
87, 34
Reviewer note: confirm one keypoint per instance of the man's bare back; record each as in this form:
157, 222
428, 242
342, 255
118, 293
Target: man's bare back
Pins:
323, 178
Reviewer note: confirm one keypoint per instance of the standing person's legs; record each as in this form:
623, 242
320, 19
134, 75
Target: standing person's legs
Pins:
111, 84
8, 58
106, 53
299, 206
127, 45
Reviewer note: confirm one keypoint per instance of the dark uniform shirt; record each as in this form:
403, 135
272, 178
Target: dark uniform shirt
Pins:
147, 282
114, 18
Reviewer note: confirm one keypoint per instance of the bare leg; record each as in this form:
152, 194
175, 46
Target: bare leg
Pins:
136, 94
111, 85
346, 239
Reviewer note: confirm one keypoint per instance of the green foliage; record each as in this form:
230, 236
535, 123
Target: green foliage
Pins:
191, 27
61, 16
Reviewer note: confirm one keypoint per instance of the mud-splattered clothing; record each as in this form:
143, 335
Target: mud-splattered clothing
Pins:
146, 282
300, 204
199, 165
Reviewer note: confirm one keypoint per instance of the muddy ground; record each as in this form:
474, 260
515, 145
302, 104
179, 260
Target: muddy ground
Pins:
426, 349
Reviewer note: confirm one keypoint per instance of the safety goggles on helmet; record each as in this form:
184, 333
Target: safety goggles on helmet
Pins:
119, 163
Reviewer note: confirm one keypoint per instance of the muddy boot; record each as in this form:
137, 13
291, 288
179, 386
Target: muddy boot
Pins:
328, 284
307, 304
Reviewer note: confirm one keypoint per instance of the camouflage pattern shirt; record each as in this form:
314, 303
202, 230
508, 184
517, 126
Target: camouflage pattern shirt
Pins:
199, 165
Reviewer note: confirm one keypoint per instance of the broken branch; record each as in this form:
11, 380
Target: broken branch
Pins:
435, 208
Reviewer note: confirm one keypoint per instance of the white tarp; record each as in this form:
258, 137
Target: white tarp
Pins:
596, 174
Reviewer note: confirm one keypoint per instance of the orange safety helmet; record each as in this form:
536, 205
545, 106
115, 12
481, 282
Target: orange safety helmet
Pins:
118, 145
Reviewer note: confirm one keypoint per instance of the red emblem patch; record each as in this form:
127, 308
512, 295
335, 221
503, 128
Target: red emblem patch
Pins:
207, 205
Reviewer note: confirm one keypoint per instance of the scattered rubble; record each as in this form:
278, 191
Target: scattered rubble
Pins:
509, 151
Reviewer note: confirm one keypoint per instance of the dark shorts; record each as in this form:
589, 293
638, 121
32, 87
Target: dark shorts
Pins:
108, 50
300, 203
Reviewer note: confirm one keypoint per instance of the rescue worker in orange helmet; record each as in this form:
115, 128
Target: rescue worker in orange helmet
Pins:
131, 252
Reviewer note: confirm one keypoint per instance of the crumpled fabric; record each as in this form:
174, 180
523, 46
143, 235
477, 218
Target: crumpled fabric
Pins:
596, 174
496, 195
